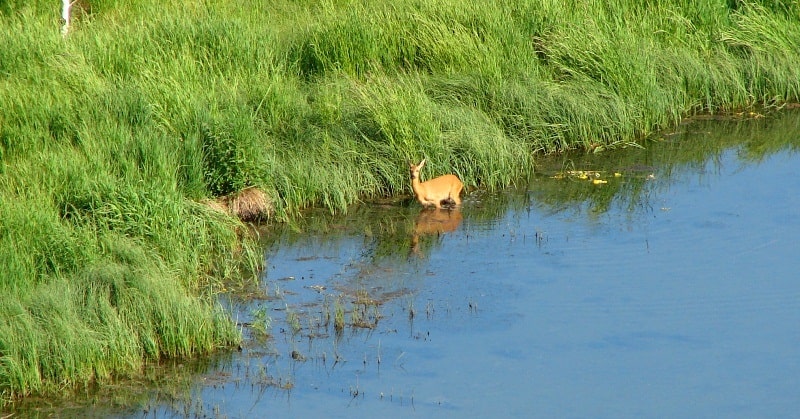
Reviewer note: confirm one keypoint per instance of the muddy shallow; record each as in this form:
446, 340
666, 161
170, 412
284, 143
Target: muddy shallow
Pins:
654, 282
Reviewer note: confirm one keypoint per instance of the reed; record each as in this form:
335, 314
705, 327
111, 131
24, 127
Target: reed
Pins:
111, 135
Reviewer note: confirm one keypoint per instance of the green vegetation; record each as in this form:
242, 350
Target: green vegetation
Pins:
110, 137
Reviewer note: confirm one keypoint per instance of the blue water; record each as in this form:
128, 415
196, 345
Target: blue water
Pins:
690, 310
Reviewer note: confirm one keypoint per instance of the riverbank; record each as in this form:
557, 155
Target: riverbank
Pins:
111, 137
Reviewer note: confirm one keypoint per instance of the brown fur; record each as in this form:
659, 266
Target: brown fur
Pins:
443, 191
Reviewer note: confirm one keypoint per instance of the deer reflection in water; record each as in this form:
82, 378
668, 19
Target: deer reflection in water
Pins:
434, 221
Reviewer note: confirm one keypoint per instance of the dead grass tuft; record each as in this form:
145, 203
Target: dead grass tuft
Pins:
249, 205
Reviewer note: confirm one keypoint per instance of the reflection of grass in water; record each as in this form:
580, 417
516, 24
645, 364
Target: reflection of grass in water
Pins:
692, 147
173, 379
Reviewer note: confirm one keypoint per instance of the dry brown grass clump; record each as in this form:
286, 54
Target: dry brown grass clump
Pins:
249, 205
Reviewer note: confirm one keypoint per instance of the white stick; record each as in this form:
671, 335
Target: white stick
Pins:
66, 6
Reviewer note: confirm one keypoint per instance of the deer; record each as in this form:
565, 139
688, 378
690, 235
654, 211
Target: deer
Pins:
439, 192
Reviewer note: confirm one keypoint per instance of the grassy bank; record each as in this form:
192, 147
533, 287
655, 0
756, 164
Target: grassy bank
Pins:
111, 136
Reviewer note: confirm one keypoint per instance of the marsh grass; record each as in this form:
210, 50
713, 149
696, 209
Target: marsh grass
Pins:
338, 315
111, 136
293, 320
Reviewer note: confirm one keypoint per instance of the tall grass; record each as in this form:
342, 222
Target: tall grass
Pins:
109, 137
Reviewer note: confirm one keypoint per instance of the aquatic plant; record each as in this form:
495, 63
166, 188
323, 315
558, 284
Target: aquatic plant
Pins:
338, 315
293, 320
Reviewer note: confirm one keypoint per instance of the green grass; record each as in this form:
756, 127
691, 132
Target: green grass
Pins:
109, 137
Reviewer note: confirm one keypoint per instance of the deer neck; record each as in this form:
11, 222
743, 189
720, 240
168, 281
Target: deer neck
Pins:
416, 184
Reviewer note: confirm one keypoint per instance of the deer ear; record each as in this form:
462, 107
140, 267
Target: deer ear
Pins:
422, 163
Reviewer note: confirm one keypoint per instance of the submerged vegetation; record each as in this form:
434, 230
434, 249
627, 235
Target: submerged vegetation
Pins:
112, 137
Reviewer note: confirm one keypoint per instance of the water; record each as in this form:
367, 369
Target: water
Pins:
672, 290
